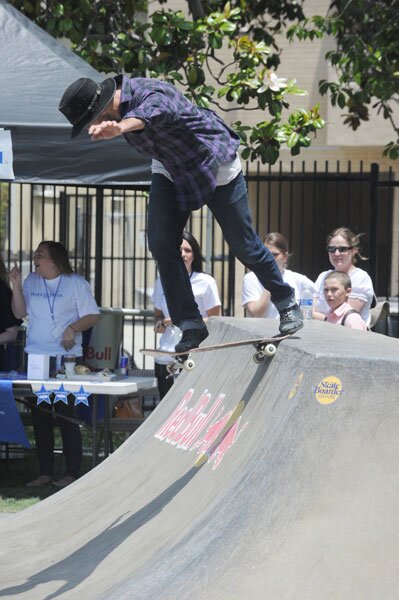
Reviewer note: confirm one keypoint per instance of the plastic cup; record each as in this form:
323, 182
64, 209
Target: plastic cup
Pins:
69, 364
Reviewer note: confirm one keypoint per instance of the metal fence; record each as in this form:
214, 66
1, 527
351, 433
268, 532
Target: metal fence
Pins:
104, 230
306, 206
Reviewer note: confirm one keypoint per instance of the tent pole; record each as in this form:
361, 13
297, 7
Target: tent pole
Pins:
63, 218
98, 269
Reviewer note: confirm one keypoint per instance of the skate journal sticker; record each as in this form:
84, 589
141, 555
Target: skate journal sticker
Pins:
328, 390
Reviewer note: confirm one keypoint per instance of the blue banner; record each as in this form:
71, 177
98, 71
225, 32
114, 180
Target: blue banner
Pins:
11, 428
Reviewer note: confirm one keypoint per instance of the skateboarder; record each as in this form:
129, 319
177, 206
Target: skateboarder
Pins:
195, 162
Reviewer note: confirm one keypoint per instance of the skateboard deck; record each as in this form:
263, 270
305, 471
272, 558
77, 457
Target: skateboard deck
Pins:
263, 347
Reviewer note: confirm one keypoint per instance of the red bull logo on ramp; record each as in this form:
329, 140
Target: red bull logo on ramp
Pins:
210, 433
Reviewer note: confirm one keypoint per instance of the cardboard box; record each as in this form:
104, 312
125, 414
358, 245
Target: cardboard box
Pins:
38, 366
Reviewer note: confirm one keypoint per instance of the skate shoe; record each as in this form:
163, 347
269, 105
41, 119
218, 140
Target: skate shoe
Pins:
191, 338
290, 319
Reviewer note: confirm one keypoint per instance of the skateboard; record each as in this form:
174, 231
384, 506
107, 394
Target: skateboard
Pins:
182, 360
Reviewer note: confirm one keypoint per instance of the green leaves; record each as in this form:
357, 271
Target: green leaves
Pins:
65, 25
266, 138
391, 150
365, 58
114, 36
168, 44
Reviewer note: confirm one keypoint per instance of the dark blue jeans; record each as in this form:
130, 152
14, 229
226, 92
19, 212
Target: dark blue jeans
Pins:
166, 223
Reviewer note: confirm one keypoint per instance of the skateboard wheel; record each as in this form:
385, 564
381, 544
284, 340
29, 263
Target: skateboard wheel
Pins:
270, 349
189, 364
258, 356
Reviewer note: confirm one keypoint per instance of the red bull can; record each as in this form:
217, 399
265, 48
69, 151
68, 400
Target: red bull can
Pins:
123, 365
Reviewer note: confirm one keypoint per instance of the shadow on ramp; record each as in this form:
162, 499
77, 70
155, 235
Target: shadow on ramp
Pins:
78, 565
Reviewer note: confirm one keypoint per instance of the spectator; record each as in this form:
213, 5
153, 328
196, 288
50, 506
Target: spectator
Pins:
8, 322
206, 296
255, 298
343, 247
337, 287
59, 305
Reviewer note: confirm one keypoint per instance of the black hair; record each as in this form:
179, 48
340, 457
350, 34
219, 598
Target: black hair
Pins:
197, 255
4, 272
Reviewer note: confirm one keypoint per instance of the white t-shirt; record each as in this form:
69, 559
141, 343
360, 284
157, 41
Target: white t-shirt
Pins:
226, 172
252, 289
69, 298
206, 296
362, 289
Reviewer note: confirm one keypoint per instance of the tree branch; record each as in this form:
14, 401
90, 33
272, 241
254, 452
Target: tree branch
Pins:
196, 9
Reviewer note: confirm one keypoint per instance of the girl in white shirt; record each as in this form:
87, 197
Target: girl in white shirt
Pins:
206, 295
255, 298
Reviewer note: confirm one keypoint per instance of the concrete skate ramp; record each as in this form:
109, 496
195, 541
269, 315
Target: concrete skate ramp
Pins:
297, 500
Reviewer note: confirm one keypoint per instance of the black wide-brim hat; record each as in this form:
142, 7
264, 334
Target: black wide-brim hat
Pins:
84, 100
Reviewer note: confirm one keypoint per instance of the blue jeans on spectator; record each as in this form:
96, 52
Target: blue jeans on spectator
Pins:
166, 224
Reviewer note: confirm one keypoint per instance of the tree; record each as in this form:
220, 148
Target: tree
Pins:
113, 36
366, 59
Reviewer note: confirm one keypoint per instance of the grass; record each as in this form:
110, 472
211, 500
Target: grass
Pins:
14, 495
14, 474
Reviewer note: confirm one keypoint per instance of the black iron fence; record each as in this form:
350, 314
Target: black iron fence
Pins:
306, 206
104, 230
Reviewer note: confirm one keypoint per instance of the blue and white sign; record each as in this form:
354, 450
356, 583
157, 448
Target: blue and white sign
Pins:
11, 428
6, 156
81, 397
43, 395
61, 395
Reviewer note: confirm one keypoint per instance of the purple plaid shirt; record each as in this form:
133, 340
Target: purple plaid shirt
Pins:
189, 141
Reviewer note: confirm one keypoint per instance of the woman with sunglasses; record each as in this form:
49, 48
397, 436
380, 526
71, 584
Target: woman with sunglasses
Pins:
343, 247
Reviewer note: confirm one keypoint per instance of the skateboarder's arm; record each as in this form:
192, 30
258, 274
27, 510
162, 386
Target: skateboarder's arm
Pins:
106, 130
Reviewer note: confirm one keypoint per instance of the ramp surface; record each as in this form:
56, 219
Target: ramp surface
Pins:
276, 481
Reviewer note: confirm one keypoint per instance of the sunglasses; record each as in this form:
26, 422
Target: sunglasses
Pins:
341, 249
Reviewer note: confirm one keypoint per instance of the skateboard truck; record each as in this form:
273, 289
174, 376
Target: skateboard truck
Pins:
187, 363
263, 350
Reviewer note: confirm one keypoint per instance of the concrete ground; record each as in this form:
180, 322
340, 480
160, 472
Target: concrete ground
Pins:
276, 481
